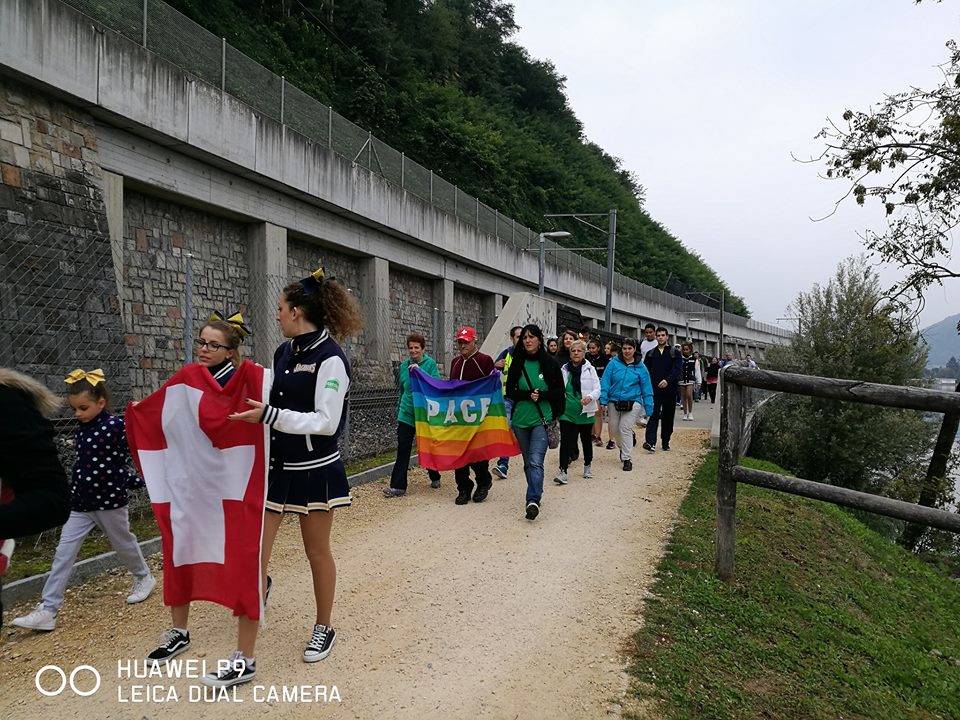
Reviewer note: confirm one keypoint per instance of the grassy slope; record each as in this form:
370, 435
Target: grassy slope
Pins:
826, 619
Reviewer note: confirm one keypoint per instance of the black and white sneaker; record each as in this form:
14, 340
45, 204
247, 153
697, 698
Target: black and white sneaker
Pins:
321, 643
648, 447
234, 670
533, 509
172, 643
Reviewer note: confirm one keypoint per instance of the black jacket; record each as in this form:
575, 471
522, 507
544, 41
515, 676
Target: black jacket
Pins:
555, 394
311, 377
30, 467
663, 366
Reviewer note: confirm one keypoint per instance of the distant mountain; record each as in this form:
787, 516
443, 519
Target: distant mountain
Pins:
943, 341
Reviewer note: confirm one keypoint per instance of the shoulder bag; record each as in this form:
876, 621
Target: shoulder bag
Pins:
552, 427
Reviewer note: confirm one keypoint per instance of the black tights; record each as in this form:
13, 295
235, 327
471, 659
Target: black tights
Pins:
569, 433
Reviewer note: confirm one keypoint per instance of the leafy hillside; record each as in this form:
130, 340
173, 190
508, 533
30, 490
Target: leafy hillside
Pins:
943, 341
825, 619
441, 81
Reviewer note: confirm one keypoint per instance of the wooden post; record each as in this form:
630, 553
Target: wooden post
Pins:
731, 425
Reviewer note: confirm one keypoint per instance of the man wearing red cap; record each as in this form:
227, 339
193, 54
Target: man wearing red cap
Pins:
471, 364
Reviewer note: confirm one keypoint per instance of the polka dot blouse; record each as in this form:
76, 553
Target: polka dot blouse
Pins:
102, 473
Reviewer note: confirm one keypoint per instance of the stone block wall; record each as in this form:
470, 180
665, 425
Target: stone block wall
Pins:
59, 306
157, 236
303, 257
411, 310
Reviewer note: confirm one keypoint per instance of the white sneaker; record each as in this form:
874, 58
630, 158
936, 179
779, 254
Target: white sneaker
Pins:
561, 478
691, 416
587, 473
39, 619
142, 587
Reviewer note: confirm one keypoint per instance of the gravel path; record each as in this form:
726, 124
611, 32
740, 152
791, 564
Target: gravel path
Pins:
442, 611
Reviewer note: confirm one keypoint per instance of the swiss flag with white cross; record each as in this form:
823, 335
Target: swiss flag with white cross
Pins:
206, 476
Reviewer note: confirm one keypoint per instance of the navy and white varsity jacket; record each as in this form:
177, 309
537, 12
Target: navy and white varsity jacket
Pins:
311, 377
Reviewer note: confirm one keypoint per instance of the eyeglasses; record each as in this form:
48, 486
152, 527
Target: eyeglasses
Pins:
215, 346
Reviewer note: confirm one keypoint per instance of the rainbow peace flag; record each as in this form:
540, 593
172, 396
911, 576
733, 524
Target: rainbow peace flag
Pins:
460, 421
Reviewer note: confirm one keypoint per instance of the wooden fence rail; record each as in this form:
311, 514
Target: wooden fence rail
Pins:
730, 472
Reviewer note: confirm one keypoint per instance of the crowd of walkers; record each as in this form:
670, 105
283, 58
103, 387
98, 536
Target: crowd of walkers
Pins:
559, 392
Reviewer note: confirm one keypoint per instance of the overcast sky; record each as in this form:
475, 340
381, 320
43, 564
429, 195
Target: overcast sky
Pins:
706, 101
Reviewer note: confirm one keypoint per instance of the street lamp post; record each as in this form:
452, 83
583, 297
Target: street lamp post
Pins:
542, 240
611, 233
690, 320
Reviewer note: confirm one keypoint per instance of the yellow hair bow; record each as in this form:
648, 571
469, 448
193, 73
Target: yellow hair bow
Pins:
94, 377
236, 319
313, 281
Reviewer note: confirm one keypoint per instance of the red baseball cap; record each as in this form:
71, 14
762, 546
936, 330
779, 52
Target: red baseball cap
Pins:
467, 334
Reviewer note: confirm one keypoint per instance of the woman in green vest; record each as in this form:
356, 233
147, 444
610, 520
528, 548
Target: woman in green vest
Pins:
406, 425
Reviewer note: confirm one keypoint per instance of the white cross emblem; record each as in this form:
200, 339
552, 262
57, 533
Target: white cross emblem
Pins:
195, 478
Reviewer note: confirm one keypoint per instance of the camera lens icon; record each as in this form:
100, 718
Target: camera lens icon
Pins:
56, 670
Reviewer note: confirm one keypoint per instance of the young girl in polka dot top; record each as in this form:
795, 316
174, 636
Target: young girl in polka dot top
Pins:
102, 475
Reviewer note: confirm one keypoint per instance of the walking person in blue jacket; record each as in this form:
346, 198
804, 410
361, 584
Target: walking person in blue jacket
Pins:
664, 363
624, 385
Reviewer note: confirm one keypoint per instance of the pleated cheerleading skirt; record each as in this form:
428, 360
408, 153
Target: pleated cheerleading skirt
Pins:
305, 491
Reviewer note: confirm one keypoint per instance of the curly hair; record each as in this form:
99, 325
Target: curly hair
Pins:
333, 307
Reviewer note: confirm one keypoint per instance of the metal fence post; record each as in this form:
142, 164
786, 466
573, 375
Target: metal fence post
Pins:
403, 170
330, 128
496, 223
431, 187
144, 23
456, 201
731, 427
223, 64
370, 150
188, 309
283, 93
478, 211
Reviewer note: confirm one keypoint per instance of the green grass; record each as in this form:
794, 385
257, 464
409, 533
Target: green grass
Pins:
33, 558
825, 619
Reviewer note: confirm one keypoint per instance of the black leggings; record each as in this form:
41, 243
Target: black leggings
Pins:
712, 389
569, 432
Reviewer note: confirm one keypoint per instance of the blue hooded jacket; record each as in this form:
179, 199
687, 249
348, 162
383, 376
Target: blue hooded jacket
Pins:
626, 382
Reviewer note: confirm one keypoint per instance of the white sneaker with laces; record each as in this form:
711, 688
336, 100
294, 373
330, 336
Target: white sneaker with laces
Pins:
587, 472
38, 619
142, 587
691, 417
561, 478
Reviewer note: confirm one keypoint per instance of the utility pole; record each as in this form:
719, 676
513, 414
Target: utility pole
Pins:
611, 247
611, 233
542, 264
723, 294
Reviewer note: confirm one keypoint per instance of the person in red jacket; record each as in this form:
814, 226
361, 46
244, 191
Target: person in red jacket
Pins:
471, 364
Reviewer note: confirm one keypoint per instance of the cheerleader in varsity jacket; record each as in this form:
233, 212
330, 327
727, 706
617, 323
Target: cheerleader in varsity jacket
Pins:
306, 476
217, 349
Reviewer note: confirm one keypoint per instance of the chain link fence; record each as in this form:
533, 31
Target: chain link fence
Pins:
179, 40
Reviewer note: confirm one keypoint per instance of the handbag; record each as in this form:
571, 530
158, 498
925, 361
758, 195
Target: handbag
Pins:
623, 405
552, 427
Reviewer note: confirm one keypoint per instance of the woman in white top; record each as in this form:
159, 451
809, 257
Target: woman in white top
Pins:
582, 390
690, 376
